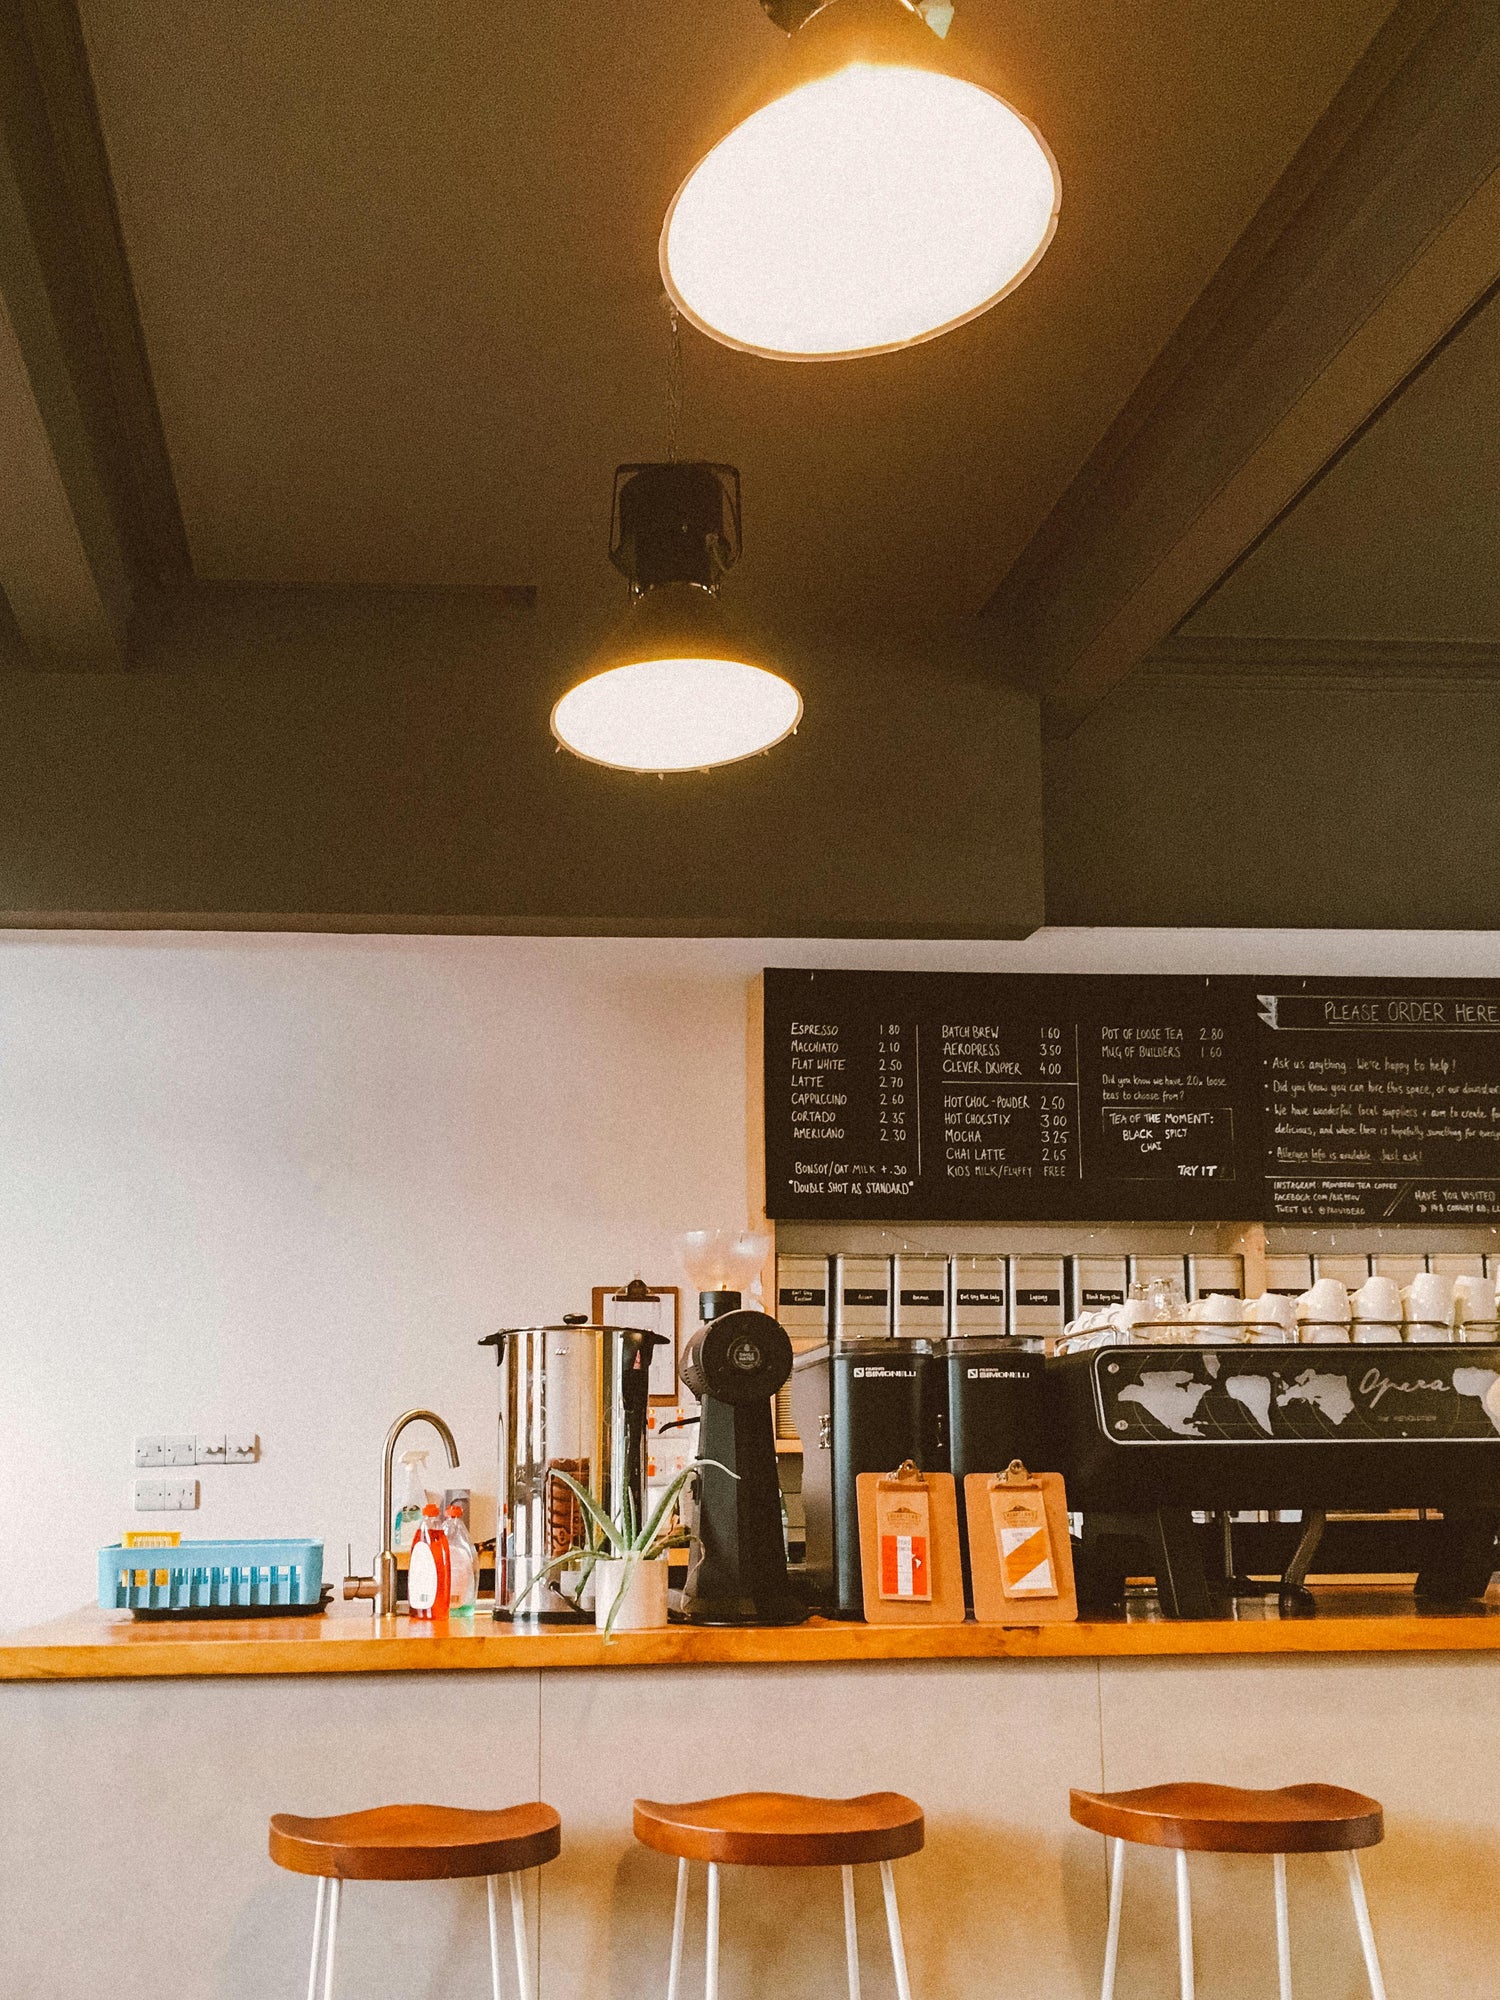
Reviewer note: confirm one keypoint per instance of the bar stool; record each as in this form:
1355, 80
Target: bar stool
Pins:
1223, 1819
784, 1830
416, 1844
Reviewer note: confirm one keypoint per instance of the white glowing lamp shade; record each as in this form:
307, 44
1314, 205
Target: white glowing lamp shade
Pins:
867, 210
676, 714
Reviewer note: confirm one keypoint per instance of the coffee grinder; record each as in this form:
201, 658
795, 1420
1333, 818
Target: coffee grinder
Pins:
737, 1575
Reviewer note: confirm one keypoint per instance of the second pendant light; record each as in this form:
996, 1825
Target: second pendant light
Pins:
675, 688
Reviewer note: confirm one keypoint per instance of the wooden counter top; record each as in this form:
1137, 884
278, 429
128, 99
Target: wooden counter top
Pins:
96, 1645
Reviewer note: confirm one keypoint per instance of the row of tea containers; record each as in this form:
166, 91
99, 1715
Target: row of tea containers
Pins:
1087, 1300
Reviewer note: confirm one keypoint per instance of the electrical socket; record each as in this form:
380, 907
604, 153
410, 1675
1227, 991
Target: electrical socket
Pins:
150, 1451
179, 1495
180, 1451
149, 1496
210, 1450
241, 1449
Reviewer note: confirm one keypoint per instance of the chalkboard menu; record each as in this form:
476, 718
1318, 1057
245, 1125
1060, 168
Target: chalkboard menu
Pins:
997, 1097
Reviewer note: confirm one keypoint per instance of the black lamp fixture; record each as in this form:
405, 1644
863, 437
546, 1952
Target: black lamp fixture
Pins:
675, 687
871, 194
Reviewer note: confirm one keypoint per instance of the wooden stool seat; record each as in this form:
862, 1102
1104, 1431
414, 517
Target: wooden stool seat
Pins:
416, 1843
1226, 1819
783, 1829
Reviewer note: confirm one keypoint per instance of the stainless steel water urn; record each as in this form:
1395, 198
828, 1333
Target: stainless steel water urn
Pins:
573, 1399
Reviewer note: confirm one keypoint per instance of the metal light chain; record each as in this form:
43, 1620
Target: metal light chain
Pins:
674, 381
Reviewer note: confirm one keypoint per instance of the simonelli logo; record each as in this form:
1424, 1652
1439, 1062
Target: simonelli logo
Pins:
880, 1372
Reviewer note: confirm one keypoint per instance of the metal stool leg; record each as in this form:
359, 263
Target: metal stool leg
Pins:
518, 1932
317, 1950
491, 1899
1184, 1927
679, 1924
893, 1925
1116, 1900
711, 1941
1366, 1934
851, 1934
1283, 1931
335, 1887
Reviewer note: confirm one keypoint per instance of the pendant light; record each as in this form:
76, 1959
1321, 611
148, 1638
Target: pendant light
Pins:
675, 688
872, 196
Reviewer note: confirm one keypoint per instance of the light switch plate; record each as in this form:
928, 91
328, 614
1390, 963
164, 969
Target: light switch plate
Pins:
242, 1448
179, 1495
150, 1451
179, 1451
149, 1496
210, 1451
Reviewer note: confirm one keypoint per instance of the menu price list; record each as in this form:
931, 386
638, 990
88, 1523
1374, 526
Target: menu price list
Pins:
991, 1097
851, 1104
1076, 1098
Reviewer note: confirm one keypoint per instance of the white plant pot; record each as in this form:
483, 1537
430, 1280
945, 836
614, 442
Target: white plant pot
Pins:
643, 1606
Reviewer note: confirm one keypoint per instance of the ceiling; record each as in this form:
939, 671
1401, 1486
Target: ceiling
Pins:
1400, 538
395, 270
319, 323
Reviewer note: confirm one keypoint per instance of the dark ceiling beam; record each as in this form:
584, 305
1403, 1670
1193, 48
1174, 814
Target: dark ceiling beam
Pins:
62, 567
1380, 241
89, 519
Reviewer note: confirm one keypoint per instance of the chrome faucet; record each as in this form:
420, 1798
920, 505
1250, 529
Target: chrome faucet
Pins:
382, 1586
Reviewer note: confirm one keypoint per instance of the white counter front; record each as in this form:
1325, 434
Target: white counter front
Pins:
133, 1823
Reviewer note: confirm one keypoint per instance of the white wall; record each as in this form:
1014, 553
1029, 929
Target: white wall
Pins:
285, 1183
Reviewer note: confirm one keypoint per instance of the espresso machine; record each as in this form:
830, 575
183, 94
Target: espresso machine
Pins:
1153, 1440
573, 1399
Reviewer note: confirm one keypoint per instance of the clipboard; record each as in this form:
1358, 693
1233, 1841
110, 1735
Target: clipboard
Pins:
909, 1561
1020, 1556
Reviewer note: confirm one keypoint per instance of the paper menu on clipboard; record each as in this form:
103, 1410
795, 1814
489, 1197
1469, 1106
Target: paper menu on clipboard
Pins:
1020, 1555
653, 1308
910, 1567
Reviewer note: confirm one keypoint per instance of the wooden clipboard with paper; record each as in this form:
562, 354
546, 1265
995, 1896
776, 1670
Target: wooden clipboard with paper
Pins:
1020, 1557
910, 1568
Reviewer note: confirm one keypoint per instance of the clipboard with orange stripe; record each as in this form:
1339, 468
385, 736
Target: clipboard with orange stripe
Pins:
1020, 1557
909, 1547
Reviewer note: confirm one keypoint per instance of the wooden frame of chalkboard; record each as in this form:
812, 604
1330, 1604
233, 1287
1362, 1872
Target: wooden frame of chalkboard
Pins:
997, 1097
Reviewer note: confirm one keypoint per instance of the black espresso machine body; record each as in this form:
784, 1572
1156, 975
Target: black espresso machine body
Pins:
995, 1405
859, 1406
995, 1410
1151, 1435
957, 1406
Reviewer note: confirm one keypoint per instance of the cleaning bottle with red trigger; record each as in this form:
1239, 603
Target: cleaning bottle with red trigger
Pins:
429, 1578
463, 1563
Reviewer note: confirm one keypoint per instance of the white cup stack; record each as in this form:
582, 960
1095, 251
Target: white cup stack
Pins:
1217, 1320
1323, 1314
1377, 1312
1474, 1310
1270, 1320
1428, 1300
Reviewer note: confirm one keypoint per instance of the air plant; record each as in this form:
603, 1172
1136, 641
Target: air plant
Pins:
620, 1537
